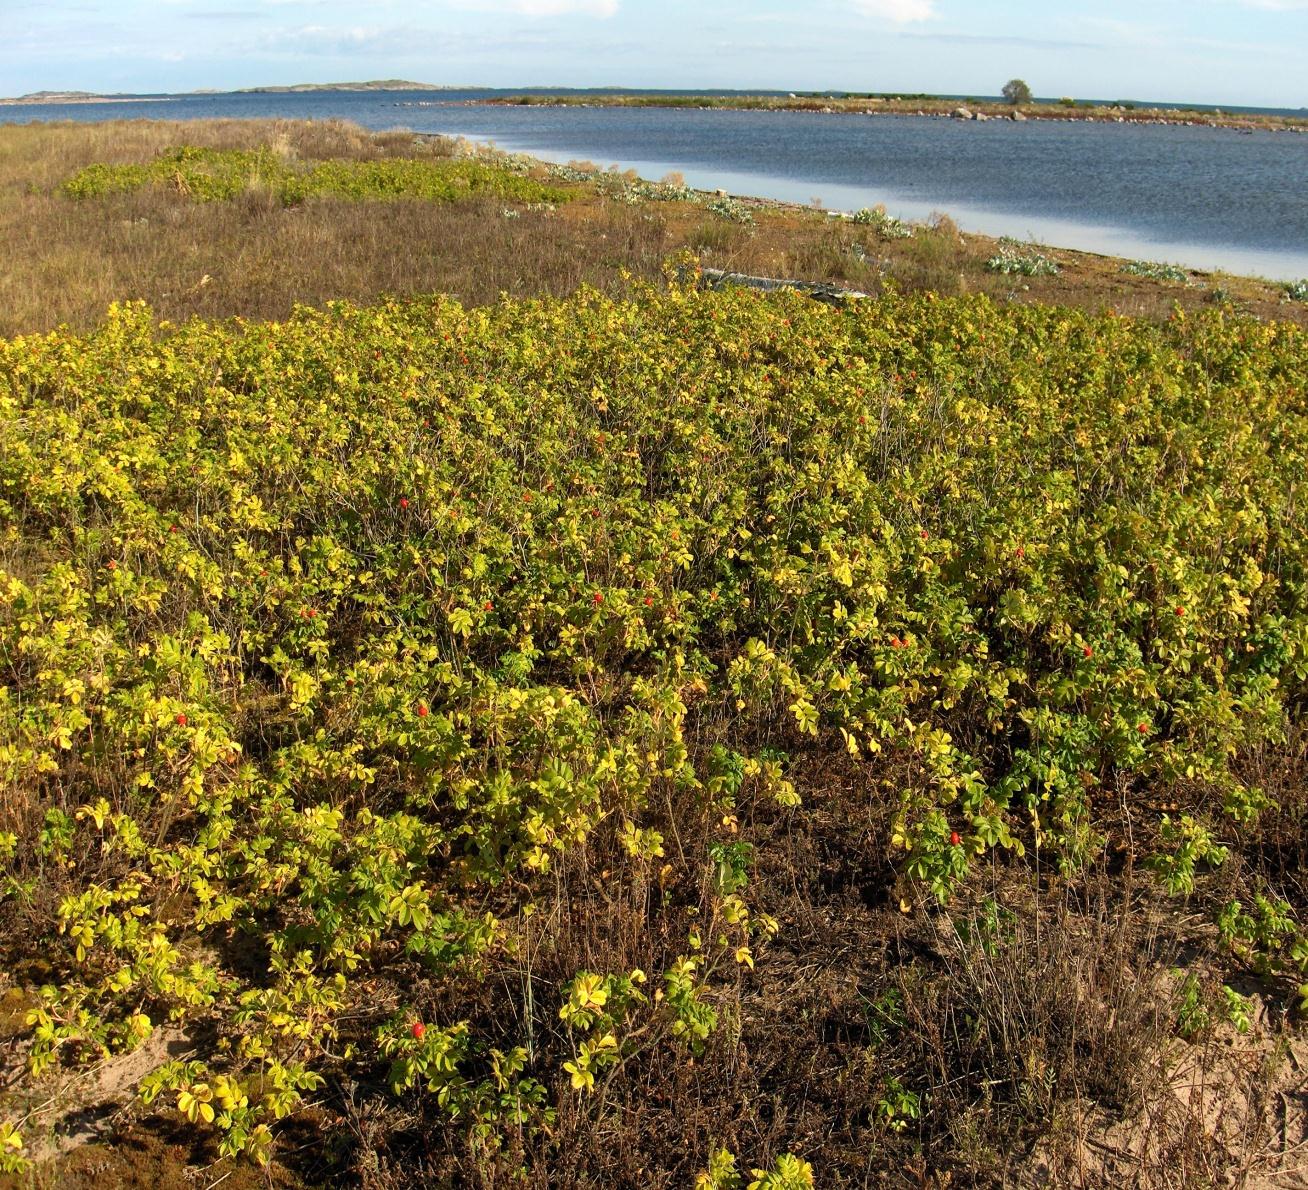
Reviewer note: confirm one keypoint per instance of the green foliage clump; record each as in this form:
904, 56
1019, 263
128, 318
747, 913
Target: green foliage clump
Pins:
1012, 258
219, 175
887, 226
731, 209
12, 1158
1155, 271
788, 1172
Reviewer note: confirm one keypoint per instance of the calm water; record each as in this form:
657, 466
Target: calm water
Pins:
1204, 197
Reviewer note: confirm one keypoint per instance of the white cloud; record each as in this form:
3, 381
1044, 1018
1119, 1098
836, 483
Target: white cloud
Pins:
545, 8
1277, 5
397, 42
334, 40
551, 8
900, 12
530, 8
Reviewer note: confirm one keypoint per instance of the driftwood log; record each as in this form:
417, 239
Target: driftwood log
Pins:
822, 291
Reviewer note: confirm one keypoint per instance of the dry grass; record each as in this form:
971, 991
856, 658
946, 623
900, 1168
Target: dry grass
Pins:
67, 260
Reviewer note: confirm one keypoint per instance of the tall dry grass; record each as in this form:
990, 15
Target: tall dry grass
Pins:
66, 261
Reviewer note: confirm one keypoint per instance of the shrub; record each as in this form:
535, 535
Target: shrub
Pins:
393, 690
732, 210
1017, 92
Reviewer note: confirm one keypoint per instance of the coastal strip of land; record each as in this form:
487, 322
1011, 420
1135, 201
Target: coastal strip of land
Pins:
941, 107
979, 110
75, 97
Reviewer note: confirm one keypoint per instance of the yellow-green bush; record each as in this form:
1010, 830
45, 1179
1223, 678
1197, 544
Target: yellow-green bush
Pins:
335, 636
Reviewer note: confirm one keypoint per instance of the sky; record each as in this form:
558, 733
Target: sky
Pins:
1234, 52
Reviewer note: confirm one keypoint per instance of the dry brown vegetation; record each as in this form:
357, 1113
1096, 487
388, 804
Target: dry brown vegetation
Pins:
66, 260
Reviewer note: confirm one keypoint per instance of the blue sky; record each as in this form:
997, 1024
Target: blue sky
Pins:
1216, 51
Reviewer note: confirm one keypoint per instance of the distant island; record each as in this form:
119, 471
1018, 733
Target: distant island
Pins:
72, 97
375, 85
55, 96
36, 97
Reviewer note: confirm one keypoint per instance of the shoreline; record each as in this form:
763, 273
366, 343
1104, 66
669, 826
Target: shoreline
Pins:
959, 215
1196, 277
963, 111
